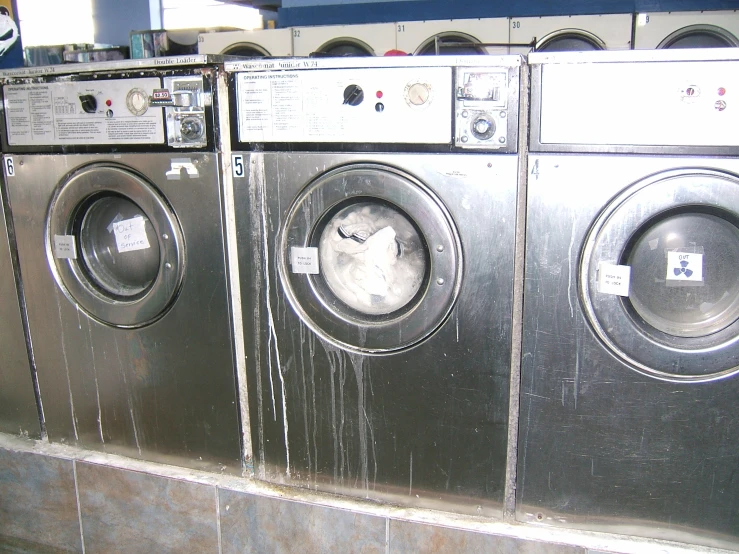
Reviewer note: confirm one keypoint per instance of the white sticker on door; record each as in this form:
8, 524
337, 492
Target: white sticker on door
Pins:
130, 234
64, 247
304, 260
684, 266
614, 279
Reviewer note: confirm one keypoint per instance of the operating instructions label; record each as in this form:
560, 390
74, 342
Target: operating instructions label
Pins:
83, 112
346, 105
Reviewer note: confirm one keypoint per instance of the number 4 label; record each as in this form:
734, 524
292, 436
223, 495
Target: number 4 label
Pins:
9, 166
237, 163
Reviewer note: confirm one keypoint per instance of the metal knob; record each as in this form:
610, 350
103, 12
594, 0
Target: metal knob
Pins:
191, 128
483, 127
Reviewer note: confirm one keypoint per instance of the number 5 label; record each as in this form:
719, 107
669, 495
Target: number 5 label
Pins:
237, 163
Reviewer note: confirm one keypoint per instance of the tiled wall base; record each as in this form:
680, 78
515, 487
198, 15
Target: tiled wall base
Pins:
58, 499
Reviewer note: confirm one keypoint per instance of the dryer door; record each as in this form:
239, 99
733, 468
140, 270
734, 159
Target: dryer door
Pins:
700, 36
115, 245
343, 47
245, 49
452, 44
660, 275
570, 40
370, 259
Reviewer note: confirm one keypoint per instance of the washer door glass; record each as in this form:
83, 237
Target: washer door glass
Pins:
119, 248
694, 291
127, 264
672, 243
369, 258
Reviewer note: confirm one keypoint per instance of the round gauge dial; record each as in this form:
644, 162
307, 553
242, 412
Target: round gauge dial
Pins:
417, 94
137, 101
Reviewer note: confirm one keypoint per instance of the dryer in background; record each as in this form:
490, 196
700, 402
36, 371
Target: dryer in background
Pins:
710, 29
18, 410
344, 40
454, 37
256, 44
116, 203
630, 365
376, 216
572, 33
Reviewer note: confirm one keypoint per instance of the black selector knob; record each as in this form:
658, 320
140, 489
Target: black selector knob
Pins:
353, 95
89, 103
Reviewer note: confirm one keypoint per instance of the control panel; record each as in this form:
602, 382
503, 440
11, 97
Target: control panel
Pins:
115, 111
363, 105
481, 108
468, 107
184, 101
651, 103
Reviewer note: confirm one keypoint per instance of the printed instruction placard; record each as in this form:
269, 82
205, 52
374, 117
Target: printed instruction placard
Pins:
64, 247
684, 266
614, 279
304, 260
55, 114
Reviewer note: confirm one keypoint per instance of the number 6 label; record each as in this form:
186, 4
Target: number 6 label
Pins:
237, 162
9, 166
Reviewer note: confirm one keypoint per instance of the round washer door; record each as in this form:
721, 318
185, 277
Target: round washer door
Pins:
122, 258
570, 40
659, 275
700, 36
369, 258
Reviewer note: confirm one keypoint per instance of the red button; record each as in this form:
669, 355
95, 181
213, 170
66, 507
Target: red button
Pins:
108, 103
378, 94
721, 91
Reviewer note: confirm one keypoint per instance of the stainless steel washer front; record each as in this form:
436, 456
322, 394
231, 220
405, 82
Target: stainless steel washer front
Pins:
18, 411
630, 355
116, 192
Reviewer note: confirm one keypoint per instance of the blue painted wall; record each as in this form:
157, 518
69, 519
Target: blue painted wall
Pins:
336, 12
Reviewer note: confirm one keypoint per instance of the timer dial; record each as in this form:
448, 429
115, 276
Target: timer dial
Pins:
417, 94
137, 101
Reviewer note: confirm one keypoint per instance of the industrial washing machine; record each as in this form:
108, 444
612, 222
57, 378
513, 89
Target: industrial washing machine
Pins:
454, 37
709, 29
257, 44
373, 39
116, 198
629, 421
376, 216
18, 409
567, 33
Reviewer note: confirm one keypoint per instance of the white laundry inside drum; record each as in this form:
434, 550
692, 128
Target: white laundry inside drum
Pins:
372, 258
